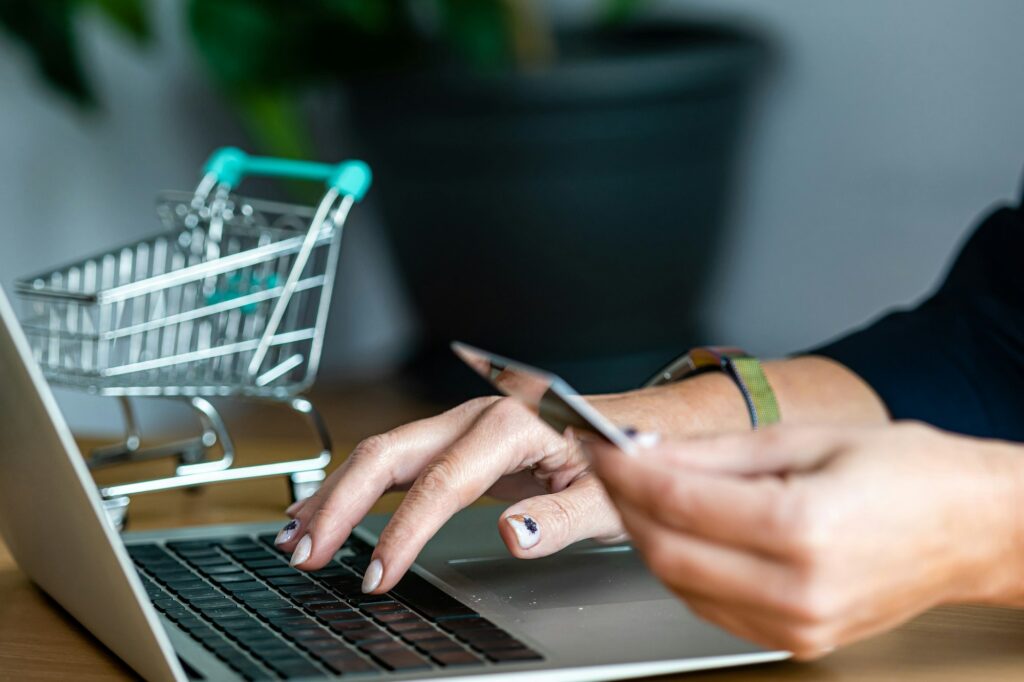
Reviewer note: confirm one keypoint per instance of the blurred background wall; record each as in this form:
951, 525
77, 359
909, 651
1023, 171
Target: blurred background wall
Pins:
879, 136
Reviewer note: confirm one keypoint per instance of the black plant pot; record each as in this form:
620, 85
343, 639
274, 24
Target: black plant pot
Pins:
567, 217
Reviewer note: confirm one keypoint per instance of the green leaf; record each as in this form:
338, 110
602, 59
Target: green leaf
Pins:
275, 121
278, 128
128, 15
46, 29
617, 11
478, 32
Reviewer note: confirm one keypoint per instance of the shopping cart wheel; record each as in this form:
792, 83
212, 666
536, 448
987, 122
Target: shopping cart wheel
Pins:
117, 511
303, 484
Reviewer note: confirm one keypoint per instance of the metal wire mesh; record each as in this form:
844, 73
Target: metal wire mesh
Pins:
180, 313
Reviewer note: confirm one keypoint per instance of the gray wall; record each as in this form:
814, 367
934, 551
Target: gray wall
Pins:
884, 131
888, 128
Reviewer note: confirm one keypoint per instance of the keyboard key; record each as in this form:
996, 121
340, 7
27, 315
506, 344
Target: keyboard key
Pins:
366, 636
275, 572
312, 595
419, 635
439, 644
327, 606
246, 586
231, 578
463, 624
402, 660
324, 644
186, 545
269, 562
330, 571
348, 665
302, 633
454, 658
290, 580
295, 668
254, 602
426, 598
282, 623
336, 612
222, 569
397, 617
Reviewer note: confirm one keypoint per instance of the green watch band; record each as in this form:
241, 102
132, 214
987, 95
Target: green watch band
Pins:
745, 370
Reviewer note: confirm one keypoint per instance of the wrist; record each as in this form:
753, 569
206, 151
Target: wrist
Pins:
701, 405
993, 554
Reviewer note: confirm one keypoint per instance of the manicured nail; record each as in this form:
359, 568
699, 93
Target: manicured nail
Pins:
287, 533
293, 507
644, 439
302, 550
526, 529
371, 579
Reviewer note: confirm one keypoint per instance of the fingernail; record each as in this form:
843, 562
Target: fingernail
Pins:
526, 529
371, 579
302, 550
293, 507
644, 439
287, 533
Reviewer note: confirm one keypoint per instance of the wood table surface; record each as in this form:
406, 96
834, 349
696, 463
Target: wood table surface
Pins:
38, 641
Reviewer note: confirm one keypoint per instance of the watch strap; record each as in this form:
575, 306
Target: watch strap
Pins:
744, 369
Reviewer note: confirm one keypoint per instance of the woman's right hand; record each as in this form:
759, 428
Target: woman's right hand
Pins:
488, 446
496, 446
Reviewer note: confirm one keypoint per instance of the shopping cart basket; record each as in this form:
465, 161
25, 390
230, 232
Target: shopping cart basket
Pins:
230, 300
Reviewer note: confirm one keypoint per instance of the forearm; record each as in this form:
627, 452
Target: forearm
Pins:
808, 389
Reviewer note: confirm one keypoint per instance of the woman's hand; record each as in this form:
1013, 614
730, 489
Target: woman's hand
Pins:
493, 446
808, 538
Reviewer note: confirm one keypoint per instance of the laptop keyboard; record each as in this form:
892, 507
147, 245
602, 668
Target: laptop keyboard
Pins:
239, 598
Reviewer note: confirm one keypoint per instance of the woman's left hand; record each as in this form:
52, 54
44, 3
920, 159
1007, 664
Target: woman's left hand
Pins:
809, 538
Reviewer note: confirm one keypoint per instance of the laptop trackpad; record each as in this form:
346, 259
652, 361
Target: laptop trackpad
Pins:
606, 575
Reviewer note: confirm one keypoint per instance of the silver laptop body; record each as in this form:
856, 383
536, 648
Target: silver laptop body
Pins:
592, 612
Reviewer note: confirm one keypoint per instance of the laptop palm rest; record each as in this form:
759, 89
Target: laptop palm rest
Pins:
585, 577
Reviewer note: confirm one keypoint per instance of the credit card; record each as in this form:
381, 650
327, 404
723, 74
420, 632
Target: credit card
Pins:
547, 395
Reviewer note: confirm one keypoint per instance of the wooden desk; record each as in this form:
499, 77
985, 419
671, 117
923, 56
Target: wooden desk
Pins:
39, 642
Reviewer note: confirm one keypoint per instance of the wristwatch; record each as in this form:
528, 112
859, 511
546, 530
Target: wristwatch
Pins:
744, 369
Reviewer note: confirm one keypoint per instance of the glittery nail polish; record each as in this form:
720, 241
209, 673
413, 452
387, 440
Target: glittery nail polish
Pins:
526, 529
287, 533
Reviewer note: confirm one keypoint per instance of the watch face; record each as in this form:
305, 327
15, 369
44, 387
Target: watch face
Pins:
553, 400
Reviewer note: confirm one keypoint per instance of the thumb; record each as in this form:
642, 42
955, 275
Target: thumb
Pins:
773, 450
542, 525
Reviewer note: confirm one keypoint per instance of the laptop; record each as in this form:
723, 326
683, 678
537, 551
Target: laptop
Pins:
221, 602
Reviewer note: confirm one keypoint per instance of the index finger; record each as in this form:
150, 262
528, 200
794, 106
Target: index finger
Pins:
323, 522
501, 442
737, 511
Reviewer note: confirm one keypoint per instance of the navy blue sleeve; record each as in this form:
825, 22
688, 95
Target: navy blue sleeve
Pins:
956, 360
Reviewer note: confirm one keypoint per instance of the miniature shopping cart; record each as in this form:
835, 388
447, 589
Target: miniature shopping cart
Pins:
230, 300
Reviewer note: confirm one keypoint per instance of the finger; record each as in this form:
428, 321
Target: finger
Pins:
804, 642
542, 525
294, 507
772, 450
736, 511
720, 573
507, 438
324, 522
728, 619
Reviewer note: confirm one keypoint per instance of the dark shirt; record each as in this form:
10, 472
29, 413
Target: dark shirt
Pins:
956, 360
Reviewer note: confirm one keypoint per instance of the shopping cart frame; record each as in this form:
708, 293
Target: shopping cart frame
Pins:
347, 183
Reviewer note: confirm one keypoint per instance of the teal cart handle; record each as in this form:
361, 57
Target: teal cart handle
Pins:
230, 164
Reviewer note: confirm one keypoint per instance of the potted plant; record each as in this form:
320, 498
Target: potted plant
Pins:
557, 194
